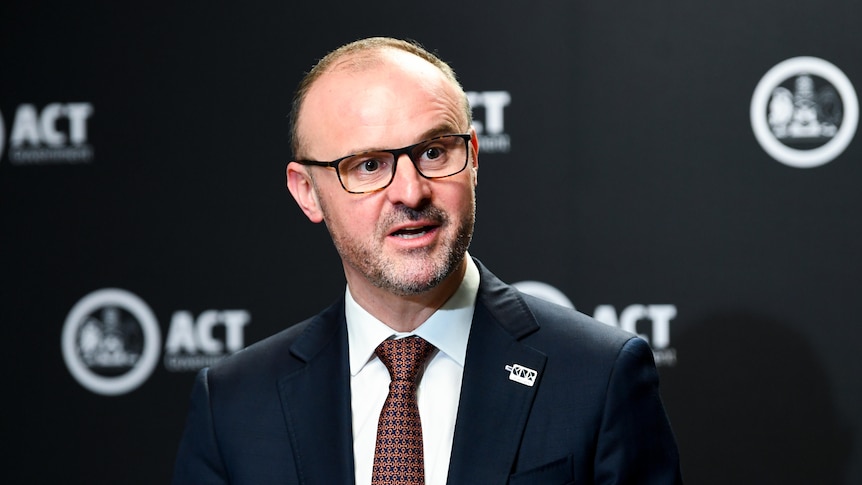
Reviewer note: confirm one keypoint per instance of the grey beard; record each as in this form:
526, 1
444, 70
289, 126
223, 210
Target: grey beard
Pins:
386, 279
385, 276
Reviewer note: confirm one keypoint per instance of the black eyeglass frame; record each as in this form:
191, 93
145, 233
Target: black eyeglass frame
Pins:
396, 153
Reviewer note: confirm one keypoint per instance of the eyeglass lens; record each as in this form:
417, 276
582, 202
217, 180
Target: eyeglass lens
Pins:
439, 157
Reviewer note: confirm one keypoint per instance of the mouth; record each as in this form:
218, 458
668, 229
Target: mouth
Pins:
413, 232
415, 228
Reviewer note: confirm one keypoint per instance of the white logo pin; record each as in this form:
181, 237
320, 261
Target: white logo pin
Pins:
521, 374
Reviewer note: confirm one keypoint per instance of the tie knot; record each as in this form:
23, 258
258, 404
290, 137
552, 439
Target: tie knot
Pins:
404, 357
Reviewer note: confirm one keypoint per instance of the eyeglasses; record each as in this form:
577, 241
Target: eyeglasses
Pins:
443, 156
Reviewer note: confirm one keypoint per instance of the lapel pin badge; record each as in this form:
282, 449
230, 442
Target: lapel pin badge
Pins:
521, 374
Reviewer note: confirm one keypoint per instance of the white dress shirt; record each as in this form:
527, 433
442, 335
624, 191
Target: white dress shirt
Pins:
439, 389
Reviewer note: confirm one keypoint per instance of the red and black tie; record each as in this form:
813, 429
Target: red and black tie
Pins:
398, 456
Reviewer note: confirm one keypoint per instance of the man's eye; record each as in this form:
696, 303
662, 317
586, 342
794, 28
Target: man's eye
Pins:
364, 166
370, 165
434, 152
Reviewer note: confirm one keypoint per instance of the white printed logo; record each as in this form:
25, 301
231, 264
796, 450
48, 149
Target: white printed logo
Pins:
191, 345
522, 375
491, 132
55, 134
657, 316
111, 341
804, 112
630, 319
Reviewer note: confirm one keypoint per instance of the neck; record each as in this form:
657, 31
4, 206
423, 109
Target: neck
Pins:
404, 313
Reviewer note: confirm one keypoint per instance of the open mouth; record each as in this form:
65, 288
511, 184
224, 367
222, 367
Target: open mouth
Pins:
413, 232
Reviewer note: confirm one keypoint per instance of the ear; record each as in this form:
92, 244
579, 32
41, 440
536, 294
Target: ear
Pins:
474, 145
303, 191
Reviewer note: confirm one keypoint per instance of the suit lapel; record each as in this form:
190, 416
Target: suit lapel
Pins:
492, 413
493, 409
320, 420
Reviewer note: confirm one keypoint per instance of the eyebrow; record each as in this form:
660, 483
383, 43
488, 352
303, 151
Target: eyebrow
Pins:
440, 130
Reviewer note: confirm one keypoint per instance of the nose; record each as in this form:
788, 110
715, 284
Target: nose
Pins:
408, 186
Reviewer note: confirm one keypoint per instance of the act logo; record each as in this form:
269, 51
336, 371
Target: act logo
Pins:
804, 112
636, 319
191, 343
491, 131
55, 134
111, 341
639, 318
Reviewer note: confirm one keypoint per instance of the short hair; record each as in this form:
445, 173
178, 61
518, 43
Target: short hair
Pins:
369, 47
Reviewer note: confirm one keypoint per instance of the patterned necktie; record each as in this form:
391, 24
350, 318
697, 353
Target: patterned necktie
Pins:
398, 457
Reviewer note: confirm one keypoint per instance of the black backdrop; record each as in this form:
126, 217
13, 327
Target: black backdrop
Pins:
142, 149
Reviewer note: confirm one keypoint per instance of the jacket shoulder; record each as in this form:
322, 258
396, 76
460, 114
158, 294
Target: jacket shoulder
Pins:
282, 352
557, 322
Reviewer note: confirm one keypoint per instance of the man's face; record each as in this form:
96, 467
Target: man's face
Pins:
408, 237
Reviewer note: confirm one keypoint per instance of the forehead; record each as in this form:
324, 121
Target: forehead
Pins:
377, 101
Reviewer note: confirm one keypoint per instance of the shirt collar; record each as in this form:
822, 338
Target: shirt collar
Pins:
448, 328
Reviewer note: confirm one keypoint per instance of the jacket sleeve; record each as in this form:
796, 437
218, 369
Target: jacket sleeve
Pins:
199, 461
635, 443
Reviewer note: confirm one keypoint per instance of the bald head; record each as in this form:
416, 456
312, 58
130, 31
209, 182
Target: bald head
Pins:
364, 55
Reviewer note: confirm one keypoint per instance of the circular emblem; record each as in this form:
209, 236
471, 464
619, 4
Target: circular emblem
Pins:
545, 292
804, 112
111, 341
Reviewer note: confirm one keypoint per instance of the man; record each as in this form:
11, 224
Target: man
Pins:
513, 389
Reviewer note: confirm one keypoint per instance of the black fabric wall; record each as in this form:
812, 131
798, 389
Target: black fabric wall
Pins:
686, 170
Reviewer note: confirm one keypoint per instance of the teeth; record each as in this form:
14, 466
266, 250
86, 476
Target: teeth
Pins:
411, 235
411, 232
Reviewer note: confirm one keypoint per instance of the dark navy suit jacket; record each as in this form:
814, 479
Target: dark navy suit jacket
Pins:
278, 412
